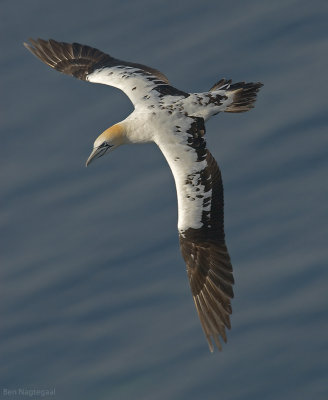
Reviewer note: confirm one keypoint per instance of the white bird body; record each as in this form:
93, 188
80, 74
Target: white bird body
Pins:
171, 137
175, 121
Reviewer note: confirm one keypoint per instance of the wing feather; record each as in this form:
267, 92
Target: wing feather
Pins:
210, 287
90, 64
69, 58
201, 227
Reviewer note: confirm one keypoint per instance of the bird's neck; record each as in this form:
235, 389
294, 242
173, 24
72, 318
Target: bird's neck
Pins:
138, 128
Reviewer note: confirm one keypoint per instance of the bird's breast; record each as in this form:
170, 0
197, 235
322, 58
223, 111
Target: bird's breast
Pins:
155, 125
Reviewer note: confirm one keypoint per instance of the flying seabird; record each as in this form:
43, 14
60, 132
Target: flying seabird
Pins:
175, 121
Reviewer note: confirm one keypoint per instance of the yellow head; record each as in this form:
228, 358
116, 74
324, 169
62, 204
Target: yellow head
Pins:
107, 141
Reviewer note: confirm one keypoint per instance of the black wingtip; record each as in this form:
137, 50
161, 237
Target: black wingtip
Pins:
72, 59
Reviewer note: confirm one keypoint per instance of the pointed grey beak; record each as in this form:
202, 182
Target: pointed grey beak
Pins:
96, 153
92, 156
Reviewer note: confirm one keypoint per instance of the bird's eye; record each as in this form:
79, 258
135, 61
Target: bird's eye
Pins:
105, 144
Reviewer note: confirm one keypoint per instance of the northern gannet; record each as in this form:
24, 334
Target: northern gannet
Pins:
175, 121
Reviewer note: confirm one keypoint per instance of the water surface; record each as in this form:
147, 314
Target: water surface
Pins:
94, 296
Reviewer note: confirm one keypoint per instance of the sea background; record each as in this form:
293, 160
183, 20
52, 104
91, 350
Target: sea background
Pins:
94, 298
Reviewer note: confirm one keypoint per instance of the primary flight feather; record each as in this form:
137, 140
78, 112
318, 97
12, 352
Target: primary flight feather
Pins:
175, 121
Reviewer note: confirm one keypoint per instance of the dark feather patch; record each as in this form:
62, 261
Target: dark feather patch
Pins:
210, 276
80, 60
244, 97
208, 263
166, 90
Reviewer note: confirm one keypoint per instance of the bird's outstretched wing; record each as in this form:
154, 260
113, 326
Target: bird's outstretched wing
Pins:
138, 81
201, 228
210, 276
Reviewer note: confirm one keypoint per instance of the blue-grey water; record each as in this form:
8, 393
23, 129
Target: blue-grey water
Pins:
95, 301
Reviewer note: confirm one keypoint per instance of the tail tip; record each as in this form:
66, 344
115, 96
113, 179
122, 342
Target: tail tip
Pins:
244, 96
